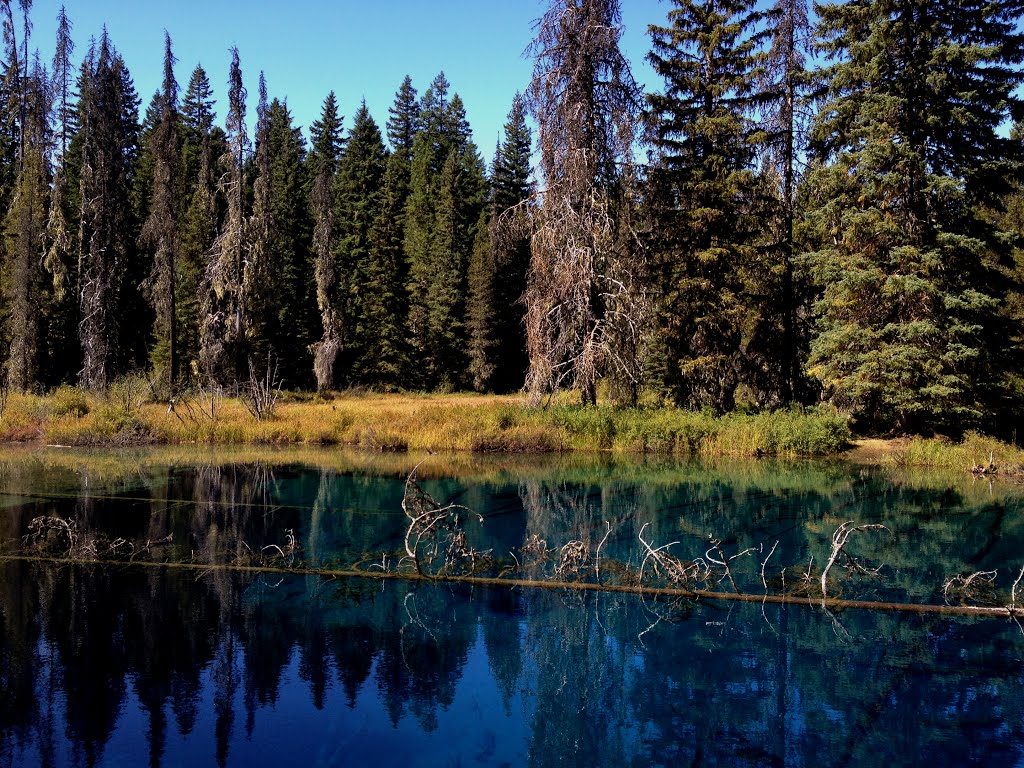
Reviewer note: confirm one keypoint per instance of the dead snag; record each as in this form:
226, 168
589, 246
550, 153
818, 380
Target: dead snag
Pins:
839, 539
972, 588
435, 540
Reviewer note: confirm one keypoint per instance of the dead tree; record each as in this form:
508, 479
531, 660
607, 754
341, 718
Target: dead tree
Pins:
585, 306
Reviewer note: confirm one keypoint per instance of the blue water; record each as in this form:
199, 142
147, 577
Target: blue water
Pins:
147, 664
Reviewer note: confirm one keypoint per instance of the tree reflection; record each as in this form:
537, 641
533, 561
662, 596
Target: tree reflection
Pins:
211, 659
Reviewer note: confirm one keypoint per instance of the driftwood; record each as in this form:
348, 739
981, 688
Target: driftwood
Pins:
435, 541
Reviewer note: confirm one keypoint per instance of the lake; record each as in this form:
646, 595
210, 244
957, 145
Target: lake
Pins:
204, 636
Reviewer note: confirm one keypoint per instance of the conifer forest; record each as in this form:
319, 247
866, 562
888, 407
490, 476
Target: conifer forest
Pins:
810, 206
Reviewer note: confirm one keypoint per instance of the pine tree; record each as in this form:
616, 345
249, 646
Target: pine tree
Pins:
202, 144
499, 264
61, 312
109, 146
294, 322
260, 276
714, 313
328, 145
65, 116
358, 192
222, 336
912, 275
510, 241
160, 231
10, 99
25, 230
786, 89
447, 190
385, 311
197, 125
582, 290
197, 235
403, 121
482, 311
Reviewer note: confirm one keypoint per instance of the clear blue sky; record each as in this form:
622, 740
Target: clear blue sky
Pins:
360, 49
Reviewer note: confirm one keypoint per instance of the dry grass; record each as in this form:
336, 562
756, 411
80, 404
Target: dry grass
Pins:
979, 453
399, 422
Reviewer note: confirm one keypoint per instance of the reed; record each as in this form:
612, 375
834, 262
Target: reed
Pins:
976, 453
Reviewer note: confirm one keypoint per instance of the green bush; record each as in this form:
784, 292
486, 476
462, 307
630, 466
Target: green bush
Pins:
69, 401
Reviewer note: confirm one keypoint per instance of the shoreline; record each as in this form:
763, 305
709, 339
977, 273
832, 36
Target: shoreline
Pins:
477, 424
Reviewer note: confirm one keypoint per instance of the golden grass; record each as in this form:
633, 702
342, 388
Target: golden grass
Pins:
974, 452
418, 422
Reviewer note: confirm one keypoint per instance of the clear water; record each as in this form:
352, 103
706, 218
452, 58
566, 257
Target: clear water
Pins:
133, 664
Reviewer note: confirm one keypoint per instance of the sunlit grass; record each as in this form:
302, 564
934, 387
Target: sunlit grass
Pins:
439, 423
975, 452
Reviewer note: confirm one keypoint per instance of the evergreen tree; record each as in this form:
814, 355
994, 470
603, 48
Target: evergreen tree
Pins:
25, 230
294, 323
583, 290
483, 309
197, 236
446, 195
404, 121
358, 192
260, 276
786, 86
510, 241
715, 311
108, 151
325, 156
160, 230
202, 144
913, 333
10, 100
61, 311
65, 117
385, 310
222, 336
197, 125
402, 126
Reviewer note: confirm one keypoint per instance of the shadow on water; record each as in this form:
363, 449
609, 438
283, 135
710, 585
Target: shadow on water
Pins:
104, 664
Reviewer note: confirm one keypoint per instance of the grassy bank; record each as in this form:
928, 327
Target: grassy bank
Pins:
479, 423
978, 453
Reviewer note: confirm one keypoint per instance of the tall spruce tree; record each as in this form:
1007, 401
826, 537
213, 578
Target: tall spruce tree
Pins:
25, 233
108, 116
160, 232
510, 242
197, 125
584, 290
386, 313
787, 90
482, 308
403, 121
293, 308
913, 332
446, 195
358, 191
222, 335
203, 143
260, 275
61, 310
10, 100
499, 264
327, 147
716, 305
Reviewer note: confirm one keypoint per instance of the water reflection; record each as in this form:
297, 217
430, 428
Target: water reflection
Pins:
342, 514
103, 665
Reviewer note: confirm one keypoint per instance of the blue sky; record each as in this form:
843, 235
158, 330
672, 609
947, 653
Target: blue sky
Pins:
360, 49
